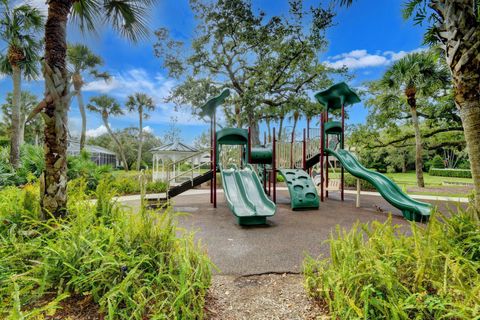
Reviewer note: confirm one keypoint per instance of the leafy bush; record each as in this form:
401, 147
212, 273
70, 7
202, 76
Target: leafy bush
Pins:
156, 187
452, 173
351, 182
376, 271
132, 266
32, 164
437, 163
82, 166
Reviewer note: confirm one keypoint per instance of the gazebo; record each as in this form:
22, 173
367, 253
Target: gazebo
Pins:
168, 158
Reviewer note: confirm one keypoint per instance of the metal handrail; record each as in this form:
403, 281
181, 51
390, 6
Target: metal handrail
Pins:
184, 173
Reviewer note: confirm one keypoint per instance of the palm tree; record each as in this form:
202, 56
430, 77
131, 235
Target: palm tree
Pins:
81, 60
107, 106
127, 17
141, 103
415, 75
18, 28
28, 102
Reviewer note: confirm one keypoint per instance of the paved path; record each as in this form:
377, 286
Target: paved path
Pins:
363, 193
281, 245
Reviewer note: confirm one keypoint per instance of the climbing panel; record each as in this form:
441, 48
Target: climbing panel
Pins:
303, 193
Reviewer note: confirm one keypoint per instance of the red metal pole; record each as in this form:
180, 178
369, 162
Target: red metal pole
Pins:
249, 147
215, 160
321, 157
342, 145
326, 157
274, 168
304, 151
211, 158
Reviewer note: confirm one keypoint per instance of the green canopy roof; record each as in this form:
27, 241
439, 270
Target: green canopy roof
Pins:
209, 107
336, 95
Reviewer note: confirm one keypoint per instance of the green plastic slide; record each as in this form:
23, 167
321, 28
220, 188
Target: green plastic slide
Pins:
303, 194
245, 196
411, 209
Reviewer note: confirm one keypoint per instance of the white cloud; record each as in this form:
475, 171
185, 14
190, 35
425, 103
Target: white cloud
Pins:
39, 4
96, 132
157, 86
360, 59
148, 129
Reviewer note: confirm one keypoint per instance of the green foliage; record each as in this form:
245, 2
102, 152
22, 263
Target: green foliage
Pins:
351, 182
453, 173
378, 271
128, 138
83, 167
133, 266
32, 164
271, 62
437, 162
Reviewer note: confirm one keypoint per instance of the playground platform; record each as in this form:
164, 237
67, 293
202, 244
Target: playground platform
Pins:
281, 245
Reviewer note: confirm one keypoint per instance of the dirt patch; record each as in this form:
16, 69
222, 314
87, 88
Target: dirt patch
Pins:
270, 296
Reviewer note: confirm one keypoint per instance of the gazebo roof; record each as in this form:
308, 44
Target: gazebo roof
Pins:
175, 147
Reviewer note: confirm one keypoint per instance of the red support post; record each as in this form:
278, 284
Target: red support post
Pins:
342, 145
211, 159
249, 147
304, 150
326, 157
321, 156
215, 160
274, 167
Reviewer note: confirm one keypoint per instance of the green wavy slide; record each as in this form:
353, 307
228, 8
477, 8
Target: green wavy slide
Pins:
411, 209
245, 196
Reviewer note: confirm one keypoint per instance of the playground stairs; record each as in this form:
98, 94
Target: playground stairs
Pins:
189, 184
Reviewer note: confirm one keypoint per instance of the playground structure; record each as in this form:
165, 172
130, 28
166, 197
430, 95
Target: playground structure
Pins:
249, 173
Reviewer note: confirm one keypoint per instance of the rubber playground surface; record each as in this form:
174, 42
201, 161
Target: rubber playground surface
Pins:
282, 244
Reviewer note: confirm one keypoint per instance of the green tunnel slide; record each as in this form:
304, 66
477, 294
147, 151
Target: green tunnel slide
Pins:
411, 209
245, 196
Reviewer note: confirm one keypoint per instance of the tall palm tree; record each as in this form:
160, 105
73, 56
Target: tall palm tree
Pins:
141, 103
127, 17
83, 60
28, 102
19, 28
416, 75
107, 106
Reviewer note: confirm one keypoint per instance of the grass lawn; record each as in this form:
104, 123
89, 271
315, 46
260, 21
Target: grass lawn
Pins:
410, 179
434, 186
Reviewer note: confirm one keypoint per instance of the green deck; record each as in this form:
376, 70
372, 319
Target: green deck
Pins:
303, 193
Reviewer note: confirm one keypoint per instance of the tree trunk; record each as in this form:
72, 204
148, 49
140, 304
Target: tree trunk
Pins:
269, 131
469, 104
53, 197
119, 145
254, 130
404, 162
280, 129
16, 111
140, 138
77, 84
418, 149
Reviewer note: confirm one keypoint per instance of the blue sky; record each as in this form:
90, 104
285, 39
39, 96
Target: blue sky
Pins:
367, 37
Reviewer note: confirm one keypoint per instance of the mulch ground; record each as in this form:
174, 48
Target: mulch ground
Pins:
268, 296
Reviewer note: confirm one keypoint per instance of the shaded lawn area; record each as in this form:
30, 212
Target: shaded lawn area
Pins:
434, 185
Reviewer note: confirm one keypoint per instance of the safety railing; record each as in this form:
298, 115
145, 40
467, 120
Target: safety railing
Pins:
192, 173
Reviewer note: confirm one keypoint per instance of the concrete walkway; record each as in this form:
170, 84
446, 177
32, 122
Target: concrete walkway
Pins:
366, 193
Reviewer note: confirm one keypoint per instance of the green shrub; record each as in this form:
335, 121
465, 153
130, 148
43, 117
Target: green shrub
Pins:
351, 182
437, 162
156, 187
452, 173
377, 271
133, 266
